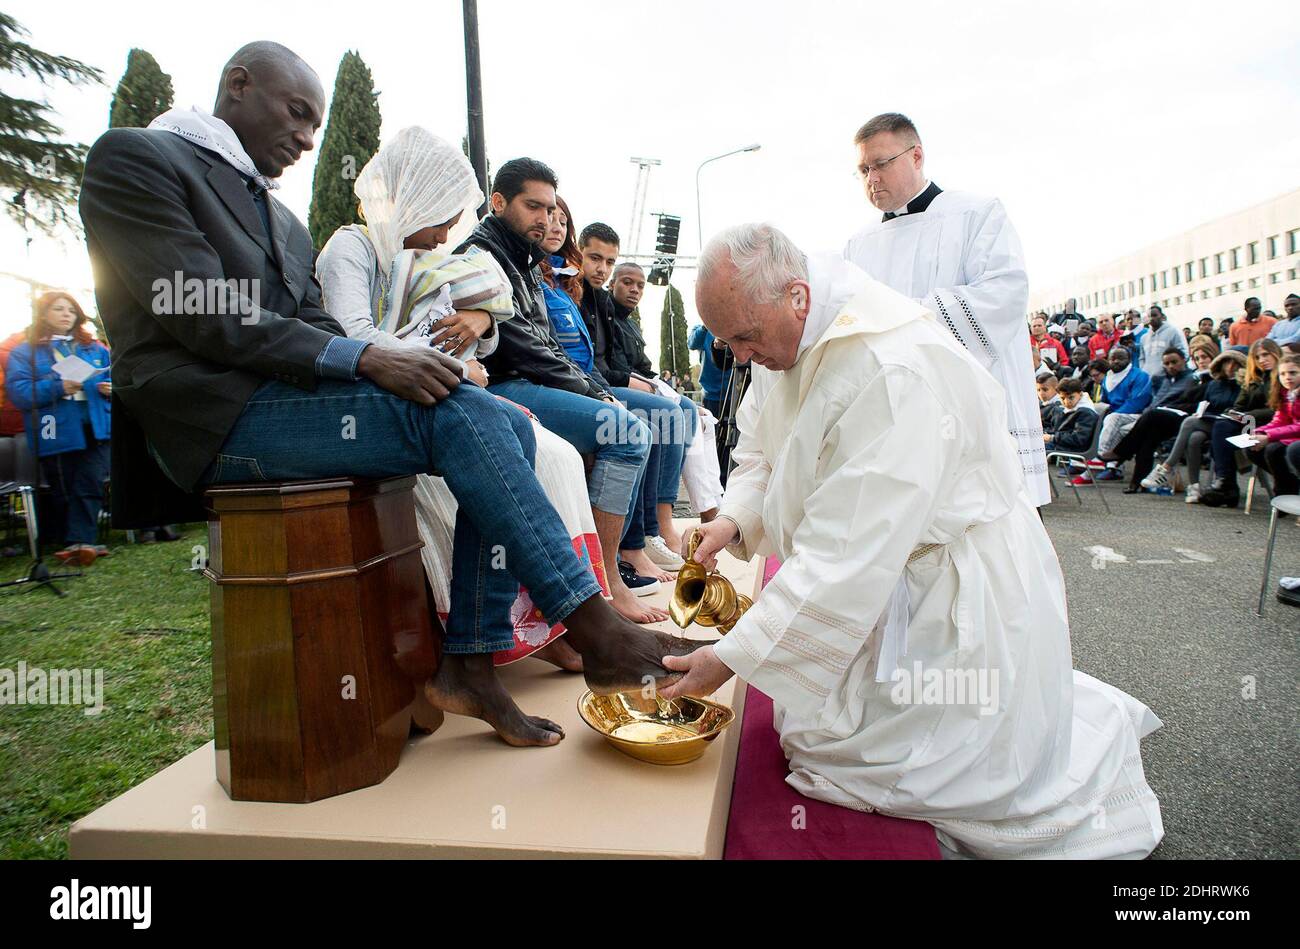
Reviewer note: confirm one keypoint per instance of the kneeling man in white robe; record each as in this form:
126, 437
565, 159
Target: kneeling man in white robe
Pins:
915, 640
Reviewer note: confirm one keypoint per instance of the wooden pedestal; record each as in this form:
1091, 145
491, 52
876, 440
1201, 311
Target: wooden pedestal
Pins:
321, 635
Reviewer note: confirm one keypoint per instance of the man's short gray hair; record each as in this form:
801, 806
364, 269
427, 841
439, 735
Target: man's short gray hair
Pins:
767, 260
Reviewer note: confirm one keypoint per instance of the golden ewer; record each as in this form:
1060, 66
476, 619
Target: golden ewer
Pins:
705, 598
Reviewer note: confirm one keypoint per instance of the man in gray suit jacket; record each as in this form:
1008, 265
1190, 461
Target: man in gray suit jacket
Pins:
225, 368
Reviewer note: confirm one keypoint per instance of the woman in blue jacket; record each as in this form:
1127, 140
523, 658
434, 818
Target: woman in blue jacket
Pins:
70, 428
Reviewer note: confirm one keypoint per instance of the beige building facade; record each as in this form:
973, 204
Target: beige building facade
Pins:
1209, 270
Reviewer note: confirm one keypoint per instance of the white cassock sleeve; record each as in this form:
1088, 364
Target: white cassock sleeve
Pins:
987, 312
883, 462
742, 501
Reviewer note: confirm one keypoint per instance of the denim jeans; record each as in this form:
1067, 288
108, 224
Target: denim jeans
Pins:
672, 428
481, 446
620, 442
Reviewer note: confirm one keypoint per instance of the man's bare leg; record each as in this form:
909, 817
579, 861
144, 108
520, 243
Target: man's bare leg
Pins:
468, 685
667, 530
558, 652
609, 527
645, 566
618, 655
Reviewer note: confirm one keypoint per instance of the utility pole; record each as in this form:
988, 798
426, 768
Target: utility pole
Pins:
638, 199
474, 100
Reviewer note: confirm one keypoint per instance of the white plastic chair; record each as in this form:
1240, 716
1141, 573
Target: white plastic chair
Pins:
1287, 504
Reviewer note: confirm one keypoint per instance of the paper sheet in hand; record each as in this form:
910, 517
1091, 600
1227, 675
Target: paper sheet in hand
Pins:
1241, 441
74, 369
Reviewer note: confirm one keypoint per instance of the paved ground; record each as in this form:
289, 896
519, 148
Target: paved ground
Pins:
1180, 633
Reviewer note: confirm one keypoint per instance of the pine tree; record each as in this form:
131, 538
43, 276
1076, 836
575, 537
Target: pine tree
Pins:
143, 93
351, 138
673, 352
39, 174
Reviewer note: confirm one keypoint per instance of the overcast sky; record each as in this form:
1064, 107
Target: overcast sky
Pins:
1103, 126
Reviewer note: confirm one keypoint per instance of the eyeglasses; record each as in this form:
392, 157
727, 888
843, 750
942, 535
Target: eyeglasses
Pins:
862, 171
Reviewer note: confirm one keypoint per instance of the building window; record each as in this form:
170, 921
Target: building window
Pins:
1142, 285
1164, 280
1205, 294
1205, 267
1176, 272
1274, 243
1218, 263
1252, 252
1218, 291
1234, 259
1293, 241
1275, 278
1130, 288
1254, 282
1236, 286
1187, 271
1178, 301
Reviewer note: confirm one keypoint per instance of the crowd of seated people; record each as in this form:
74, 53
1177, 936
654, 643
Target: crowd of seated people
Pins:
1223, 392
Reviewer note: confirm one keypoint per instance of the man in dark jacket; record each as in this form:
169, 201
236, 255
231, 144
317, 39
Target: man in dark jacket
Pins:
225, 368
1159, 422
530, 367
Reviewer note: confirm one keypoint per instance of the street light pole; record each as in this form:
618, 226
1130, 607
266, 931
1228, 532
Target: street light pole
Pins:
699, 222
474, 99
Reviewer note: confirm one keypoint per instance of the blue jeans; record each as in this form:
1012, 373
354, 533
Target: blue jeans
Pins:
672, 428
619, 441
482, 447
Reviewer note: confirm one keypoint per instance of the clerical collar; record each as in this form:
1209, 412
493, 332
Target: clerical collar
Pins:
834, 282
918, 203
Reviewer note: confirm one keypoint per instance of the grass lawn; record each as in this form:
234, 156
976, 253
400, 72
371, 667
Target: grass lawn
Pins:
140, 615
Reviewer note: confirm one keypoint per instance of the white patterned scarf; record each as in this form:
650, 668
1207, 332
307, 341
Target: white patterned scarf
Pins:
207, 131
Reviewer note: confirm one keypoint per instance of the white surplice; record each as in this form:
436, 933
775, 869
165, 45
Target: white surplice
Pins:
961, 259
886, 435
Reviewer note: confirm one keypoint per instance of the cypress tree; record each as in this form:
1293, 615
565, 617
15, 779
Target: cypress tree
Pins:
40, 175
143, 93
673, 352
351, 138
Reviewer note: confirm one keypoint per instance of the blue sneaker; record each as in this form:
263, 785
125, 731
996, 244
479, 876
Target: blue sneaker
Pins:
639, 585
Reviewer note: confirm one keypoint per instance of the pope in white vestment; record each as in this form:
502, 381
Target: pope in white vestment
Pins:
915, 639
960, 258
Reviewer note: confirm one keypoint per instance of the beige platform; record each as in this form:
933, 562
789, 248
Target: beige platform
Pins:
458, 793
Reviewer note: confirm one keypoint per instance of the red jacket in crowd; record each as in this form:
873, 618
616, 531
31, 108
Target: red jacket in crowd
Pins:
11, 420
1051, 342
1100, 345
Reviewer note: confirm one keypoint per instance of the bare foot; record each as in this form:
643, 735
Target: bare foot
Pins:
468, 685
672, 537
626, 603
618, 656
559, 652
645, 566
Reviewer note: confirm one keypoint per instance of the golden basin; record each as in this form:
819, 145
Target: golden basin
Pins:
661, 731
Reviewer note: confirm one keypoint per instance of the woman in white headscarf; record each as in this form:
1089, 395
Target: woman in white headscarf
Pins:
419, 192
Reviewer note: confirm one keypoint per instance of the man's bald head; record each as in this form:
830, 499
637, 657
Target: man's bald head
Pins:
274, 101
752, 292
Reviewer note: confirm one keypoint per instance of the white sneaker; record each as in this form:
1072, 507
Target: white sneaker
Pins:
1193, 493
660, 555
1158, 478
